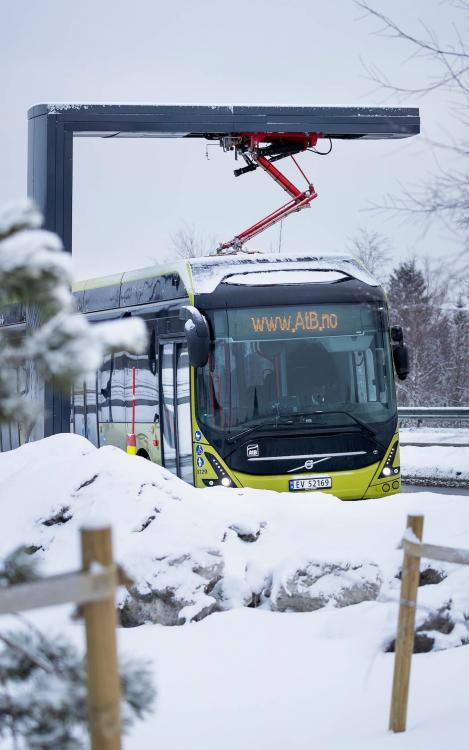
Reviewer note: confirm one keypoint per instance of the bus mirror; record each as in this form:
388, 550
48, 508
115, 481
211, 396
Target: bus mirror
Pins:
397, 334
197, 335
400, 355
152, 364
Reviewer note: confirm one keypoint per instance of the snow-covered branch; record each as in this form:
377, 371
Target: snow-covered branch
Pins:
35, 271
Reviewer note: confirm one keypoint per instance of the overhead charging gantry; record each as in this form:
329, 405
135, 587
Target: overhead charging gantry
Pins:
260, 135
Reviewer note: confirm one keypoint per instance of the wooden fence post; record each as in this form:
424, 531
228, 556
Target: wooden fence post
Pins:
101, 649
405, 632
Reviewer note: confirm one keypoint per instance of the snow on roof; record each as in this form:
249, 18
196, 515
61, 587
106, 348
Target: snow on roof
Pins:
366, 110
208, 272
293, 276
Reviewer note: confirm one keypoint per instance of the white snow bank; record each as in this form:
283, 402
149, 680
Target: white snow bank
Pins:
249, 678
221, 548
436, 462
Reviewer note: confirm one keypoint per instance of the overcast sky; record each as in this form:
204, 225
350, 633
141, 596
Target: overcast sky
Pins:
132, 196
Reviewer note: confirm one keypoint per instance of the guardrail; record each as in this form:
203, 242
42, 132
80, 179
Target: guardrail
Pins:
449, 413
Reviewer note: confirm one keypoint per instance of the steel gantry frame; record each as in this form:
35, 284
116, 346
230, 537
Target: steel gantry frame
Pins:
262, 134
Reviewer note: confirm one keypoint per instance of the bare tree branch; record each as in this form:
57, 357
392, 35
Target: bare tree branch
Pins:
445, 194
189, 243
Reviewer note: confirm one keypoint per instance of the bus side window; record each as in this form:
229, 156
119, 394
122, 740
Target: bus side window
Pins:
14, 426
9, 436
146, 381
111, 380
10, 431
79, 409
91, 410
105, 374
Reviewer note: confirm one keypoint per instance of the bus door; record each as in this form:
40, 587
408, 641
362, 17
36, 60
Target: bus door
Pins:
175, 410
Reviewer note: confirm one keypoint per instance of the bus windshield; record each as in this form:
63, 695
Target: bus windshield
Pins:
326, 364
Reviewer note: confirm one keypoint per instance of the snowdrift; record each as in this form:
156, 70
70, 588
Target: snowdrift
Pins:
445, 465
192, 552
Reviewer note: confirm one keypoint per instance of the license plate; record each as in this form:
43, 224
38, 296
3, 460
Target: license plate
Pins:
310, 483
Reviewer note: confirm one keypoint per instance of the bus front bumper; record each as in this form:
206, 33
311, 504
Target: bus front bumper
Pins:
358, 484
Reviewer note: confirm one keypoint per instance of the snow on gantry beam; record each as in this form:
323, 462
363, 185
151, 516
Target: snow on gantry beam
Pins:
202, 121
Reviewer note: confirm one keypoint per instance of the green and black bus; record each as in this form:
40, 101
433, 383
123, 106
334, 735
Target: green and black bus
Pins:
264, 371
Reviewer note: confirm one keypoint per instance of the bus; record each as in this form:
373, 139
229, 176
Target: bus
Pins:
263, 371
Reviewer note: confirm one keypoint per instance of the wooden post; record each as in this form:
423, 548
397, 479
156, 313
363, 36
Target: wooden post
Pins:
405, 632
101, 649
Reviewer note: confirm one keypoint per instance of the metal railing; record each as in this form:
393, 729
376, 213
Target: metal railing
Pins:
447, 413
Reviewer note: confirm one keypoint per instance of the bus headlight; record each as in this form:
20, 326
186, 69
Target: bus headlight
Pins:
222, 477
388, 469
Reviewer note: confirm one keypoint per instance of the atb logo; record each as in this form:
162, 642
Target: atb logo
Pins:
252, 450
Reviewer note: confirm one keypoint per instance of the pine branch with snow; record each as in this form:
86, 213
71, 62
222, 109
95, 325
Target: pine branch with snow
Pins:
18, 567
43, 697
34, 271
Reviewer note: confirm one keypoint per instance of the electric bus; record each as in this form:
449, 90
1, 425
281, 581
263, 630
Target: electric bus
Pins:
263, 371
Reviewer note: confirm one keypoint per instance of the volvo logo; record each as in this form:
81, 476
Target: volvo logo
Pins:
310, 464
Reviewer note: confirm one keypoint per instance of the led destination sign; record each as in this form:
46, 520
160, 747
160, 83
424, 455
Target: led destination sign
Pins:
296, 322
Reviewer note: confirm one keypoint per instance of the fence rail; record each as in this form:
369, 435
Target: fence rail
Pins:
450, 413
76, 588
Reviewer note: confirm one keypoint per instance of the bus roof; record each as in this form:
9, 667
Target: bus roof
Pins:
259, 269
202, 275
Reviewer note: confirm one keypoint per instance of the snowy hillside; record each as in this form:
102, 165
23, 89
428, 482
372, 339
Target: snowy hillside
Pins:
280, 678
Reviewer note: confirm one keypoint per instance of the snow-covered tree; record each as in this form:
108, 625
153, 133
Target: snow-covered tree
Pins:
43, 696
459, 366
416, 300
63, 347
43, 680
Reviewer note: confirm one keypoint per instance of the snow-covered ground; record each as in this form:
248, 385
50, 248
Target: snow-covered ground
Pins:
254, 679
435, 464
247, 675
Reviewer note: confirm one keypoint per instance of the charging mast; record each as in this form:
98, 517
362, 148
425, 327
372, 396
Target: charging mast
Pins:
261, 134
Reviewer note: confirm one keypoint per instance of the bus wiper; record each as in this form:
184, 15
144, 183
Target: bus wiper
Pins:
347, 413
290, 419
254, 427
